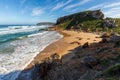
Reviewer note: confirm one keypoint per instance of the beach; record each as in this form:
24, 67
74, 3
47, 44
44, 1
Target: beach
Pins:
19, 45
64, 46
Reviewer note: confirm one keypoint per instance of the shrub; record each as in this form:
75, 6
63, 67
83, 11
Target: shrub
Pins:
113, 70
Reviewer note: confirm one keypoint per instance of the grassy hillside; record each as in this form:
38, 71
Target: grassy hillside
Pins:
87, 22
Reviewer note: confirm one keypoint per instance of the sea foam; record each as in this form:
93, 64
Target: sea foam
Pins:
25, 50
18, 29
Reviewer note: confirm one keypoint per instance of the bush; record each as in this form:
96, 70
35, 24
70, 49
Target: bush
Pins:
113, 70
113, 78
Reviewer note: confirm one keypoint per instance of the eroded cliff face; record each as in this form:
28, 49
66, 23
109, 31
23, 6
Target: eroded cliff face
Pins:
77, 18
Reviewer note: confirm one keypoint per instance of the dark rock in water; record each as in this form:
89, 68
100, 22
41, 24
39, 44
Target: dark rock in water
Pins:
89, 61
85, 45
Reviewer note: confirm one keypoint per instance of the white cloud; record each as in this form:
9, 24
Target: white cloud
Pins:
37, 11
99, 6
113, 12
112, 5
61, 4
115, 8
74, 10
109, 9
75, 5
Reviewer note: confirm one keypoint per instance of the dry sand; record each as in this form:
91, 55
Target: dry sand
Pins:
64, 46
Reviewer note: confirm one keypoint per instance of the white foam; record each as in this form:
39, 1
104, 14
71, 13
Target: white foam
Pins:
37, 34
26, 49
18, 29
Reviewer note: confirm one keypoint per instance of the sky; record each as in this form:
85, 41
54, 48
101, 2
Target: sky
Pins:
34, 11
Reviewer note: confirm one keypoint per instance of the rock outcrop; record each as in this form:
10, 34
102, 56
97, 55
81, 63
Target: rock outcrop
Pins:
77, 18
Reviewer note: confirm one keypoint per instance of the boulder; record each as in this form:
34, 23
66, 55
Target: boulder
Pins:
55, 56
114, 38
97, 14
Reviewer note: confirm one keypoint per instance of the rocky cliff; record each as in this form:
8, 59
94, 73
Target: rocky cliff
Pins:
80, 17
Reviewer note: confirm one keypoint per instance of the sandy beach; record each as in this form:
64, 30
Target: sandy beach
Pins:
70, 41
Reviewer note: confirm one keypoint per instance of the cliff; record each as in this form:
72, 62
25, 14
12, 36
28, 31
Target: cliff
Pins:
79, 18
89, 20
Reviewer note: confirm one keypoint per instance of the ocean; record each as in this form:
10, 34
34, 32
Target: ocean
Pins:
19, 44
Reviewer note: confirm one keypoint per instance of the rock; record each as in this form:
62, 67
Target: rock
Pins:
97, 14
106, 35
114, 38
85, 45
108, 22
89, 61
77, 18
104, 40
55, 56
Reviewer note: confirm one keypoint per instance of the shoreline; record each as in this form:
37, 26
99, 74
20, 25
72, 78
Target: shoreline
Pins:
63, 46
33, 54
37, 53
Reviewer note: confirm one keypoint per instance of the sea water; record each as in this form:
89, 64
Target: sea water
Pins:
19, 45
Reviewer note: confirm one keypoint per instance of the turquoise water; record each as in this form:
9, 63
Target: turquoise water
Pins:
19, 45
7, 32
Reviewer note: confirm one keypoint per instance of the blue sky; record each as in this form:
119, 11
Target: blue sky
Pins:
34, 11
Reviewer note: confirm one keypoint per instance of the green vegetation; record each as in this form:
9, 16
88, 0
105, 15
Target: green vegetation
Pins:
113, 70
85, 22
91, 24
113, 78
64, 25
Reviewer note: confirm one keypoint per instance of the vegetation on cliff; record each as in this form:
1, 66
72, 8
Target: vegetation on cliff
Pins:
92, 20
